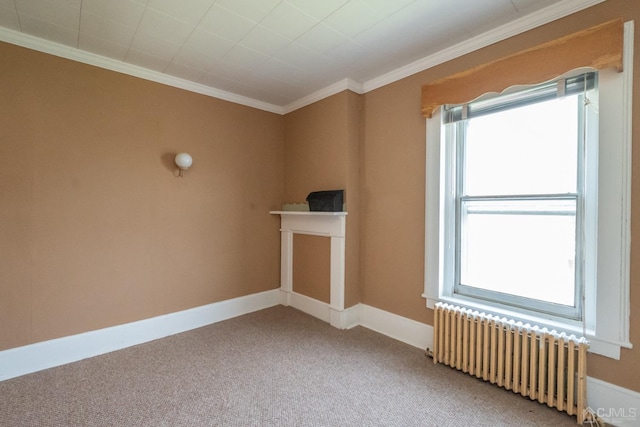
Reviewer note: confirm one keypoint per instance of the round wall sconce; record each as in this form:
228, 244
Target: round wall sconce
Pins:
184, 162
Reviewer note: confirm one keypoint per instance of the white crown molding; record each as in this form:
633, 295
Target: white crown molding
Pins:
346, 84
533, 20
68, 52
528, 22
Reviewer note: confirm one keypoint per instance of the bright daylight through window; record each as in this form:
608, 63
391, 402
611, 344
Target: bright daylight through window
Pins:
519, 184
528, 194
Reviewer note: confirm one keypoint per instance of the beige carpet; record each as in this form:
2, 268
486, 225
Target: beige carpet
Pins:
276, 367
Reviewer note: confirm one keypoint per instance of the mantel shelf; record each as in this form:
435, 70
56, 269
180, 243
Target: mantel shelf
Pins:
307, 213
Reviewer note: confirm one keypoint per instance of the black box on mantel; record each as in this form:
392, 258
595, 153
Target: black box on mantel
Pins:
326, 201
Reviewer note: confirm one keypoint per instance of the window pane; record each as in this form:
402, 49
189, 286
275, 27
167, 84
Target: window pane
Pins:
526, 150
531, 256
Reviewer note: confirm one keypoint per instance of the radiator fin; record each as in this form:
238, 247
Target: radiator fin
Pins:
544, 365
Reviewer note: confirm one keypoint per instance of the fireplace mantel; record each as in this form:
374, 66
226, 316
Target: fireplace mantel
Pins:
324, 224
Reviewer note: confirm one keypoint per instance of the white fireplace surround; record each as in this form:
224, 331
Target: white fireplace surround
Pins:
324, 224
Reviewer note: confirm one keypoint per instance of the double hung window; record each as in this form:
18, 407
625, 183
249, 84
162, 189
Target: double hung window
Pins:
520, 215
528, 193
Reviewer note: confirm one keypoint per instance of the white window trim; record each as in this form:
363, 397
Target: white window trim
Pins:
608, 329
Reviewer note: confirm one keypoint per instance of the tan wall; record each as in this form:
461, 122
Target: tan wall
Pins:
394, 186
95, 229
312, 266
322, 152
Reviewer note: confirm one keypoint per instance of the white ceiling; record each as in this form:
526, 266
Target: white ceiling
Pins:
272, 51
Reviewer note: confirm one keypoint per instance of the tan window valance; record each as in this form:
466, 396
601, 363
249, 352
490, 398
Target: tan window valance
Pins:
597, 47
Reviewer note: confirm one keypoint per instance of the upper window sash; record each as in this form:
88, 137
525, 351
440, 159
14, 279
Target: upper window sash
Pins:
544, 92
599, 47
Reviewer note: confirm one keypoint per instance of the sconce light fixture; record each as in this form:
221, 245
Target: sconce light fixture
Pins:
184, 162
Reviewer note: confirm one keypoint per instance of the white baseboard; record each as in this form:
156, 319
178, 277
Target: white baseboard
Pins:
400, 328
341, 319
310, 306
47, 354
350, 317
616, 405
